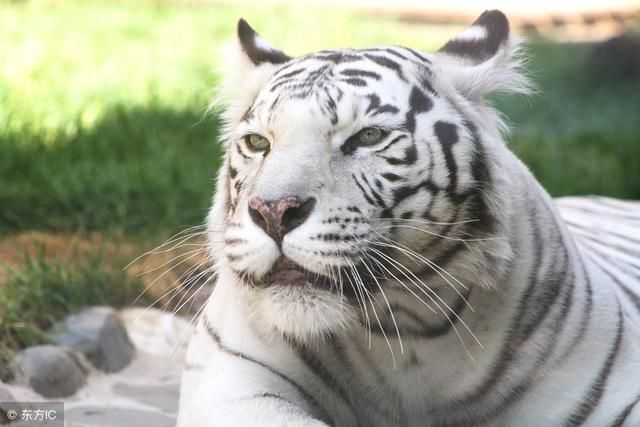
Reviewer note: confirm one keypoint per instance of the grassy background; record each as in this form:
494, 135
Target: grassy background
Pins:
102, 122
102, 128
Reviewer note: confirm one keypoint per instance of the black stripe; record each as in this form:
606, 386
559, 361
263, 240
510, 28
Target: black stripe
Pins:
308, 397
391, 176
482, 177
268, 395
352, 72
315, 365
239, 150
355, 82
546, 290
622, 417
427, 330
418, 103
364, 193
288, 75
393, 411
586, 314
393, 141
394, 53
374, 193
336, 56
593, 396
447, 134
418, 55
410, 154
377, 108
442, 259
387, 63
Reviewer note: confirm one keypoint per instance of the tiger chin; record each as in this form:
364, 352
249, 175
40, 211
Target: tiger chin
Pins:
382, 258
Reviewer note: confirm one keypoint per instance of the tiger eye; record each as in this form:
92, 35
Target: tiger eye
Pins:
257, 142
369, 136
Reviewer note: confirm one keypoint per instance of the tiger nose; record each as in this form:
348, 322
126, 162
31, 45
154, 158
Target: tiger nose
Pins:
278, 217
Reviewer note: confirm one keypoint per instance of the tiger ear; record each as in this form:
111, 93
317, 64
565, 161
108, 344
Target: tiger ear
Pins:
482, 40
257, 49
249, 62
484, 58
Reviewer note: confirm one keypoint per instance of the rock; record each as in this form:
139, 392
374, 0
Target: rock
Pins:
51, 371
157, 332
5, 396
100, 335
5, 373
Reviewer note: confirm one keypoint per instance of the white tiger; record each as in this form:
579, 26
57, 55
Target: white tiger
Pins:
384, 260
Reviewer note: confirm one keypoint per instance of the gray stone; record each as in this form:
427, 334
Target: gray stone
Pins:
5, 396
5, 373
97, 332
50, 370
117, 417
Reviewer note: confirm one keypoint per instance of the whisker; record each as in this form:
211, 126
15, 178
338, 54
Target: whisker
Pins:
433, 265
193, 251
359, 290
375, 313
162, 275
183, 338
424, 221
457, 239
191, 281
156, 250
405, 286
439, 307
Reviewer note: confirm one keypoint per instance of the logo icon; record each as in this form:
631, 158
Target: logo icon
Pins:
12, 415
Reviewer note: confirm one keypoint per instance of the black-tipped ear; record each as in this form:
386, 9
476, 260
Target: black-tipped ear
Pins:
257, 49
482, 40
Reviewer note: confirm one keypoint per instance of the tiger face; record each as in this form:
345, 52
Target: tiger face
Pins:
353, 174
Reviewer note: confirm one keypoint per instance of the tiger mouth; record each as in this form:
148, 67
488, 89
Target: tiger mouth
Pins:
286, 272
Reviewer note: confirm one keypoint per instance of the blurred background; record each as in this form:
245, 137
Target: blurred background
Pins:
106, 149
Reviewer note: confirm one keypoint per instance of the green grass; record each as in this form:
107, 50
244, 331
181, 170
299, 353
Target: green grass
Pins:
45, 290
580, 134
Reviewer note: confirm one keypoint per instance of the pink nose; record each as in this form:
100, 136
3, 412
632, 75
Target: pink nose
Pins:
280, 216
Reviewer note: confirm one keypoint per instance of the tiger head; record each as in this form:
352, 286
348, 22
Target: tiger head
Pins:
356, 175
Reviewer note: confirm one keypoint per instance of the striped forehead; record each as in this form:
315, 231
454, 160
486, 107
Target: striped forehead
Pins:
357, 68
326, 77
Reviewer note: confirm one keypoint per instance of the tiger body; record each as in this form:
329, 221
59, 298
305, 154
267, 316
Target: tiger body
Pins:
440, 284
